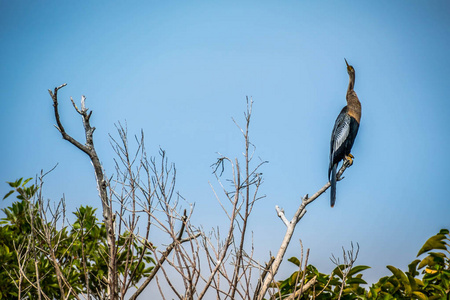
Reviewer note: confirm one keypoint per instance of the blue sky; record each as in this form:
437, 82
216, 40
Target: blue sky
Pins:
180, 70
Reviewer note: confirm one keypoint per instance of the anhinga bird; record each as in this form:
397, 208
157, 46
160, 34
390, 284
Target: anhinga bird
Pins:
344, 132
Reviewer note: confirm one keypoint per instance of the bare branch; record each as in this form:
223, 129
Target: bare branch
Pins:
349, 258
290, 231
281, 215
89, 149
303, 289
161, 261
60, 127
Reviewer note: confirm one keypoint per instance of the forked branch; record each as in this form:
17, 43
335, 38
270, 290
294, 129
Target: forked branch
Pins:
102, 183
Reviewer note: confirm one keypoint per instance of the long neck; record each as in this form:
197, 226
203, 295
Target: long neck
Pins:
353, 104
351, 82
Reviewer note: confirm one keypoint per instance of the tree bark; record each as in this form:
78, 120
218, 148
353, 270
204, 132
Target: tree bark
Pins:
102, 184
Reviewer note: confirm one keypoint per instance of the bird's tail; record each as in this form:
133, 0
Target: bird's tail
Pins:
333, 185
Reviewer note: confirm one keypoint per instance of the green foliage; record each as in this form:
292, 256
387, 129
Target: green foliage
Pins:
81, 250
82, 254
426, 278
326, 286
20, 187
435, 268
14, 231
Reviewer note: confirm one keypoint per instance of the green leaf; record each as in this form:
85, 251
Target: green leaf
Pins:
444, 231
412, 268
12, 184
338, 271
356, 281
284, 285
141, 267
402, 278
26, 181
430, 277
438, 288
293, 278
8, 194
412, 282
321, 278
435, 258
420, 295
295, 261
433, 243
418, 282
357, 269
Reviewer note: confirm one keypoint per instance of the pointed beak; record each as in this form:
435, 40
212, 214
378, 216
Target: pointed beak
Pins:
346, 63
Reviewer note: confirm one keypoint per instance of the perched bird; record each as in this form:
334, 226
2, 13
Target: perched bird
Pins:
344, 132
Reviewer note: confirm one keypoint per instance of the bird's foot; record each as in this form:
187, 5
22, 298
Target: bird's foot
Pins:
349, 160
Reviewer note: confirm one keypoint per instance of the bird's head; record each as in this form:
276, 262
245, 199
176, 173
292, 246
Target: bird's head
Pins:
350, 69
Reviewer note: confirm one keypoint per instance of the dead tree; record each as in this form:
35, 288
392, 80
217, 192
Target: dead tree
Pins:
143, 191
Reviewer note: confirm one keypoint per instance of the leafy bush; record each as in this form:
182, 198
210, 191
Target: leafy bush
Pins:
80, 250
427, 278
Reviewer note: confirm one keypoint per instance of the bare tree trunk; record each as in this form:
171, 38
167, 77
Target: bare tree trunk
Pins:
102, 184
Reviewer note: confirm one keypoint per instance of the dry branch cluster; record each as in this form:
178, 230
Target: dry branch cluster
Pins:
140, 199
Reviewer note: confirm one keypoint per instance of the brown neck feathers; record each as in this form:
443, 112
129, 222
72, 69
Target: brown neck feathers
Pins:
353, 105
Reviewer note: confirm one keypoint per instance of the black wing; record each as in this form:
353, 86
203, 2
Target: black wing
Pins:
339, 138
